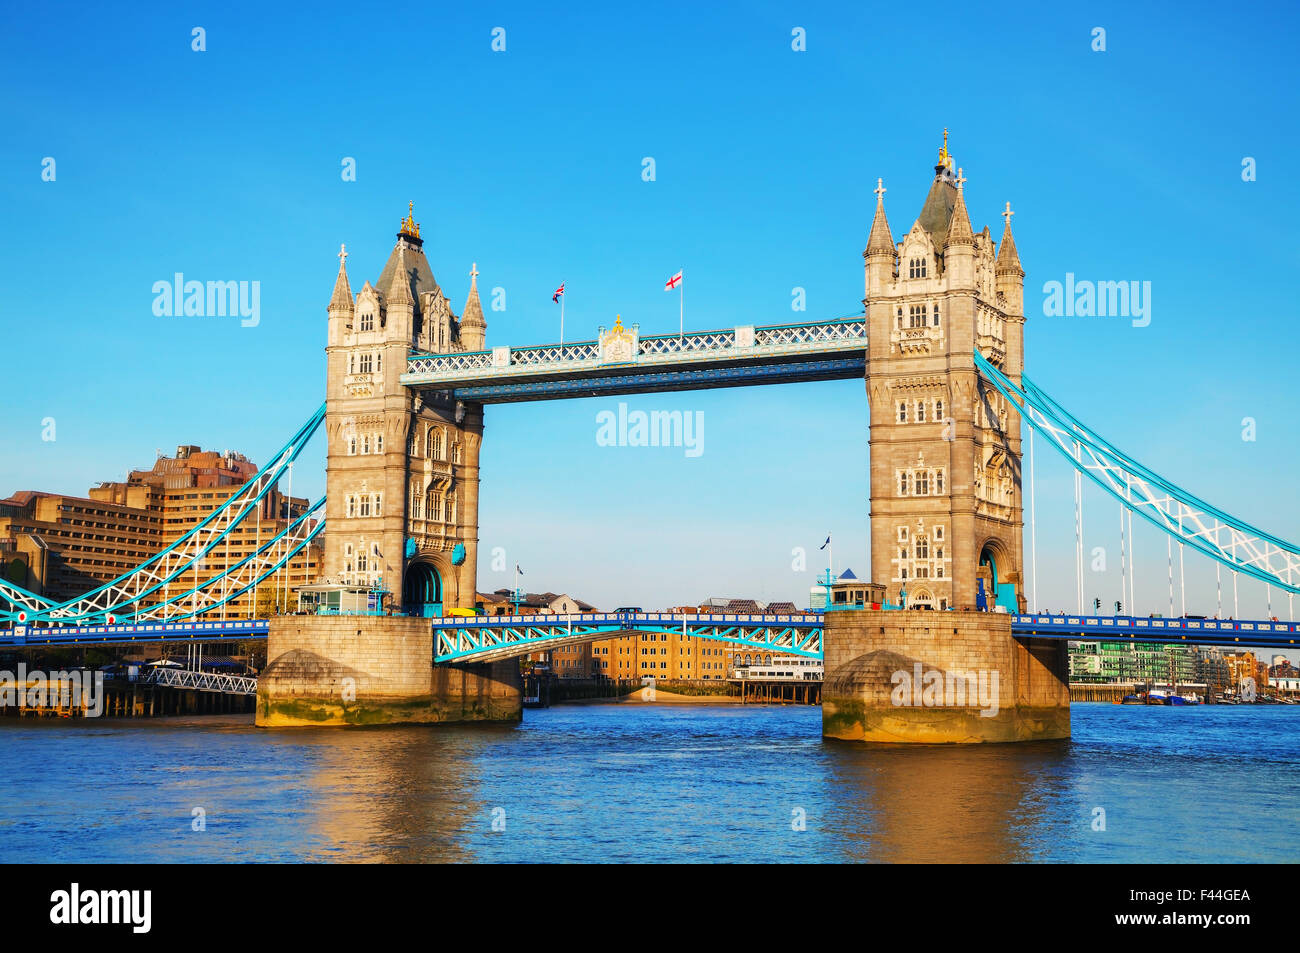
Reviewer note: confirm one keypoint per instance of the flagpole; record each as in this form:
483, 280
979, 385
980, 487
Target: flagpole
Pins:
681, 305
561, 320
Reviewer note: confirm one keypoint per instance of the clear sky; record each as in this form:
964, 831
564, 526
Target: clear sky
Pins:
226, 164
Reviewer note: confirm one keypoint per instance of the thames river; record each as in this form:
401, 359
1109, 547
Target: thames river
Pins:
653, 783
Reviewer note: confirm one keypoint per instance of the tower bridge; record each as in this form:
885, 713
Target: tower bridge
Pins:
939, 344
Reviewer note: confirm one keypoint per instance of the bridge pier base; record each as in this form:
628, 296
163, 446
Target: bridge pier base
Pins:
373, 670
918, 677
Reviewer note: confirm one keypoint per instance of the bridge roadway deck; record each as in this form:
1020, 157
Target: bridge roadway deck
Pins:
622, 362
485, 637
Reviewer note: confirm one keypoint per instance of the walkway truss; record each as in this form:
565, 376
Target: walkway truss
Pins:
168, 586
491, 638
1235, 544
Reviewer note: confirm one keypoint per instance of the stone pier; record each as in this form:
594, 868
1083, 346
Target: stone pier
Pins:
925, 677
371, 670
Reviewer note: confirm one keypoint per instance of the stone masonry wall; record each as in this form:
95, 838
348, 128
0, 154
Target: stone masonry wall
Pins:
356, 670
865, 648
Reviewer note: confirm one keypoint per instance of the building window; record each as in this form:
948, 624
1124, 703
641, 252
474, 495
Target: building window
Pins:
379, 358
455, 453
938, 410
922, 483
352, 506
365, 506
352, 363
365, 443
938, 532
367, 321
902, 483
362, 565
902, 412
352, 446
900, 319
920, 411
938, 482
379, 504
936, 314
916, 268
436, 436
902, 533
367, 363
379, 443
417, 505
922, 548
917, 316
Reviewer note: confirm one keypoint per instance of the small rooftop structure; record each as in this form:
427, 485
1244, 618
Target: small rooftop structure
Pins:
847, 592
341, 599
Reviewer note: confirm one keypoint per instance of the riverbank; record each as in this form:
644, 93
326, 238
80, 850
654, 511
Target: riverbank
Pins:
654, 696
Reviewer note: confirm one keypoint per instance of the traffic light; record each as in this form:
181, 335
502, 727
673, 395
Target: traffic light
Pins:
1097, 603
1119, 607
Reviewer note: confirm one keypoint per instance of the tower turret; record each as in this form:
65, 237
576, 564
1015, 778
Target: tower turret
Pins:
473, 328
340, 307
881, 254
1010, 284
959, 245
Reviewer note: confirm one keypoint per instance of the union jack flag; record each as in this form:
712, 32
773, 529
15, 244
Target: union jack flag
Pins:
558, 291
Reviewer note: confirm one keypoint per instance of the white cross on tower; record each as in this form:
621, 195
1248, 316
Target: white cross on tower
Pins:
343, 255
473, 273
961, 179
880, 190
1007, 214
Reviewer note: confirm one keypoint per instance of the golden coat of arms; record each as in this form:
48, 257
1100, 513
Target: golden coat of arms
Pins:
619, 345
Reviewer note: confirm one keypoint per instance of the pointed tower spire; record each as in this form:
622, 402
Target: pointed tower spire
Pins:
342, 297
959, 231
1008, 262
399, 289
473, 329
881, 241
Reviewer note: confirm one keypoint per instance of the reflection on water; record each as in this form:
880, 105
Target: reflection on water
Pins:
623, 783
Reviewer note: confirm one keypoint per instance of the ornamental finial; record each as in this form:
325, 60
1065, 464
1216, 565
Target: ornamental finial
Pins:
409, 226
945, 157
1007, 213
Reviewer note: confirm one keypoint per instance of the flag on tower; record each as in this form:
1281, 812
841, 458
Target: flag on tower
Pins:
827, 543
673, 282
518, 570
559, 292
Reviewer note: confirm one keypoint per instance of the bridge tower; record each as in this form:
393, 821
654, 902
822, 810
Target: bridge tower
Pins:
946, 519
402, 467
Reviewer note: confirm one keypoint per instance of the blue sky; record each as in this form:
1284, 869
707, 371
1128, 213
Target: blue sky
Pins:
225, 164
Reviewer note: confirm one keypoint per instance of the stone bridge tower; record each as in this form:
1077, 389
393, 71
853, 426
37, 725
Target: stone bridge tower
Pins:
945, 447
402, 468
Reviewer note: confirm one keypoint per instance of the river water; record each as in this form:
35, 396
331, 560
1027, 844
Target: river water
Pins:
653, 783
